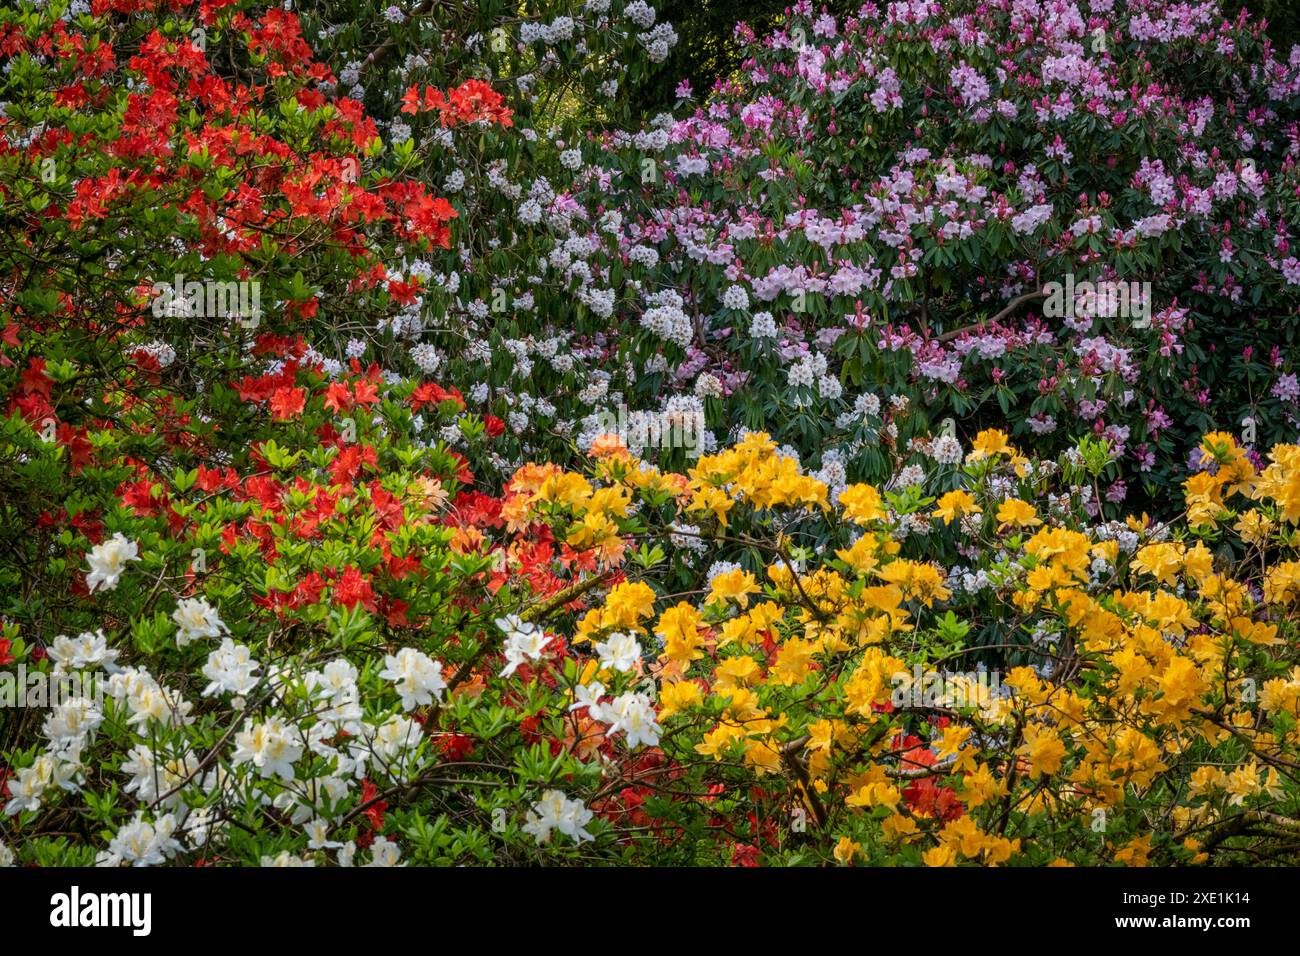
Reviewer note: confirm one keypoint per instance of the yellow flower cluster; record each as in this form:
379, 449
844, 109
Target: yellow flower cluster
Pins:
1170, 683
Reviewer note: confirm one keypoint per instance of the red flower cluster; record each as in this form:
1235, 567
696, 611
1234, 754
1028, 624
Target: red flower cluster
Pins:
473, 101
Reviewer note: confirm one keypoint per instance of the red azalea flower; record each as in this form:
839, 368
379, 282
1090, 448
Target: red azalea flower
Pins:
375, 812
744, 854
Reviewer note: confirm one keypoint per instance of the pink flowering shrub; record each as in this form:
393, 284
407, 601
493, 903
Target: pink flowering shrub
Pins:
873, 212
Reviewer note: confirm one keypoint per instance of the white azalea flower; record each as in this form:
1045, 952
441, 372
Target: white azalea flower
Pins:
108, 560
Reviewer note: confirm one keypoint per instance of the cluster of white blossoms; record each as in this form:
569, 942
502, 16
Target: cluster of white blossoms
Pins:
28, 787
812, 369
735, 297
271, 746
196, 618
524, 642
417, 676
762, 326
554, 811
634, 714
620, 651
70, 725
89, 650
107, 561
230, 669
141, 843
665, 318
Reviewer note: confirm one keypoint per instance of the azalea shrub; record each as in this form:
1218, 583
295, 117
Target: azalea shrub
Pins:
982, 674
800, 709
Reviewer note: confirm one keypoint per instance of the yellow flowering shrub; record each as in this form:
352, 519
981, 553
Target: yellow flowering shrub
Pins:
984, 675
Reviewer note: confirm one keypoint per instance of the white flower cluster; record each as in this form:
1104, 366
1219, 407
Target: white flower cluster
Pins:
524, 642
107, 561
417, 676
556, 812
812, 369
666, 318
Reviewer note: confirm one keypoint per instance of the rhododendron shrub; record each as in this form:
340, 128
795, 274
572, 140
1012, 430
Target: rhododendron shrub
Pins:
878, 206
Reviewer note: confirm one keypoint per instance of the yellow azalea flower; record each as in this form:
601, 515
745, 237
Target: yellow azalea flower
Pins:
872, 681
793, 662
863, 556
896, 826
762, 757
742, 703
678, 696
1203, 494
713, 500
821, 735
1234, 466
954, 739
1206, 780
679, 626
862, 504
989, 443
981, 786
1282, 583
1162, 561
1254, 527
736, 672
1108, 551
735, 586
718, 741
921, 582
626, 604
1018, 514
939, 856
569, 489
614, 500
1194, 847
1198, 562
965, 836
1257, 632
846, 850
737, 630
1281, 694
875, 795
1135, 852
1182, 687
1043, 749
592, 530
1280, 481
954, 504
